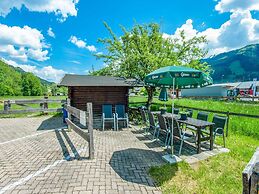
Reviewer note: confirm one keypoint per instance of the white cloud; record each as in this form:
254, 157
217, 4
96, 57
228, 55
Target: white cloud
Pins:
63, 8
82, 44
48, 72
51, 33
240, 30
237, 5
22, 43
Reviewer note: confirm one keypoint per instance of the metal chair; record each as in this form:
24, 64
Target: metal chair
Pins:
181, 134
153, 127
121, 115
203, 116
190, 111
176, 111
163, 128
107, 115
144, 121
218, 128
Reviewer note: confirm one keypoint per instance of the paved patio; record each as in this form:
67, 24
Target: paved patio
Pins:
38, 157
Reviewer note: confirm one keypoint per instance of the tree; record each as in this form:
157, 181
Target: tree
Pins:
143, 49
31, 85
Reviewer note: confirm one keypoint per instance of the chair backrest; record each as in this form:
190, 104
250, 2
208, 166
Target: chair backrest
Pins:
162, 122
107, 110
190, 111
151, 119
203, 116
120, 110
176, 111
143, 115
220, 123
177, 129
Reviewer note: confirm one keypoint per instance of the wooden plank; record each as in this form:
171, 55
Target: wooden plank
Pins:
73, 111
90, 128
31, 110
247, 172
37, 101
78, 130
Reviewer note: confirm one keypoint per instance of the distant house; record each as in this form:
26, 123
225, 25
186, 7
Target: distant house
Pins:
96, 89
219, 90
215, 90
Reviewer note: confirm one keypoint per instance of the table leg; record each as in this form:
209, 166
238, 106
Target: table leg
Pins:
199, 140
211, 137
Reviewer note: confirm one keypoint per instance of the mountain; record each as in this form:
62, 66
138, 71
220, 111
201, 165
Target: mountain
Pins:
20, 70
14, 81
237, 65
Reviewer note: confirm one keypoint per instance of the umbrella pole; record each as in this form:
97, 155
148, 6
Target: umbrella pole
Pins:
172, 130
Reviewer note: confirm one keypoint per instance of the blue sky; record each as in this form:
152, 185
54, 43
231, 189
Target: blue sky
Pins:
51, 38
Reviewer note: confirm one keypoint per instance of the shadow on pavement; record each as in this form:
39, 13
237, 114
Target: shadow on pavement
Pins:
52, 123
133, 164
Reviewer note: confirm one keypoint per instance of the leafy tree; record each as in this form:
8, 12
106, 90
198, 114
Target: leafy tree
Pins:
10, 81
31, 85
143, 49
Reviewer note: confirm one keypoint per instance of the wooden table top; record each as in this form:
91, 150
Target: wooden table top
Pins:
190, 121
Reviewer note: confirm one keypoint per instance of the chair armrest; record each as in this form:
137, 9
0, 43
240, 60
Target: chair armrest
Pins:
219, 128
115, 115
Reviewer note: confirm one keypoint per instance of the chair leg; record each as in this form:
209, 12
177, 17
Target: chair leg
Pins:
103, 124
224, 139
166, 138
181, 145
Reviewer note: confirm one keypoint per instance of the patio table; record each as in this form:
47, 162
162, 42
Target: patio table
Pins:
198, 124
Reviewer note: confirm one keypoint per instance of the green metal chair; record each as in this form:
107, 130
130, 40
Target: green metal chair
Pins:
107, 115
144, 121
218, 128
153, 127
121, 115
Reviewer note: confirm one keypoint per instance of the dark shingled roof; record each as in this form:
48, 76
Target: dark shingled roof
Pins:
88, 80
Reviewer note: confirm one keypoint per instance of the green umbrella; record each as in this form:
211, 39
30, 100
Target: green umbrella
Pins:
177, 77
185, 77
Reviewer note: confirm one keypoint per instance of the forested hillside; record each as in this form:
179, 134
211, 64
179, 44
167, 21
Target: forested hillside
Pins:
14, 81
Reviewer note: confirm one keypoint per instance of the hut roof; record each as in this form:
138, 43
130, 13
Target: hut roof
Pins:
88, 80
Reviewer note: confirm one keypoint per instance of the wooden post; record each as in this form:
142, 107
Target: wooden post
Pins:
68, 114
46, 103
254, 189
6, 106
90, 129
227, 123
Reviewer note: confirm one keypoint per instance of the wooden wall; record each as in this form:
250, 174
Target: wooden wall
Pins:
79, 97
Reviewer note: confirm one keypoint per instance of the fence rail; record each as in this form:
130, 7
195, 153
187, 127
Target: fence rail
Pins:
250, 175
43, 106
86, 119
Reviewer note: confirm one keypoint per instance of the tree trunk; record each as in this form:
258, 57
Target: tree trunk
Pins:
150, 94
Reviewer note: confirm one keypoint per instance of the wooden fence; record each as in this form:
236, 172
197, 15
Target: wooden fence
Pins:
43, 106
86, 119
251, 175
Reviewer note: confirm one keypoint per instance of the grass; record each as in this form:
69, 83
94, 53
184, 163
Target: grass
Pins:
17, 107
247, 127
218, 174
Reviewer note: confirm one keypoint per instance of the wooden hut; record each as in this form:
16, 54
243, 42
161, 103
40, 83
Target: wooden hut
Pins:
96, 89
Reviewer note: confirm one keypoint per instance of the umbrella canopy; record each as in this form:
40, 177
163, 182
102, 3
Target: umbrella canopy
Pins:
185, 77
163, 95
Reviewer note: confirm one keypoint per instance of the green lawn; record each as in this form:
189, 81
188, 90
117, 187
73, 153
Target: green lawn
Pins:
218, 174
